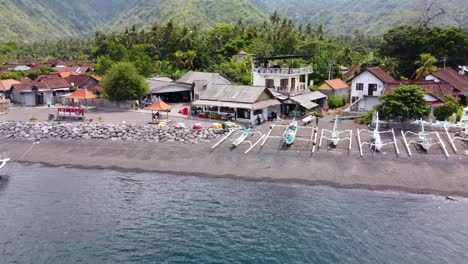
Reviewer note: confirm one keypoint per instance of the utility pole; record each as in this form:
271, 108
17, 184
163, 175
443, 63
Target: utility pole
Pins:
330, 62
444, 59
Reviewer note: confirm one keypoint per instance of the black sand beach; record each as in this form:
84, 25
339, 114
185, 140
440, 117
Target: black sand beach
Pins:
430, 174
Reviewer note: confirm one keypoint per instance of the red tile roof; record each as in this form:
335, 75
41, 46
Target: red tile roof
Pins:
27, 87
337, 84
451, 76
79, 80
242, 53
437, 89
381, 75
56, 83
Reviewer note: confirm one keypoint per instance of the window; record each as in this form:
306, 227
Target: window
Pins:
270, 83
359, 86
284, 84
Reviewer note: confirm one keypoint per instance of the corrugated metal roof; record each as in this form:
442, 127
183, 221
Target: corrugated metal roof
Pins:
223, 104
212, 77
306, 99
233, 93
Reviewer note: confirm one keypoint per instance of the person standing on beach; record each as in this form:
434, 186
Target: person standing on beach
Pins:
316, 120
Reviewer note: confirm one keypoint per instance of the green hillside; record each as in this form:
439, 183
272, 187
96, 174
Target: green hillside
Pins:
31, 20
202, 13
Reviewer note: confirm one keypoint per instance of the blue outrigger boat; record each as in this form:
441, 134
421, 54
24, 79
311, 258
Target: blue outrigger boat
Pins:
241, 138
290, 133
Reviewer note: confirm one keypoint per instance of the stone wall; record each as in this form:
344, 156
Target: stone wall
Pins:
128, 132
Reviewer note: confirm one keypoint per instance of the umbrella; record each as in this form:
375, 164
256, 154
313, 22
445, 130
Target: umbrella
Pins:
82, 94
160, 106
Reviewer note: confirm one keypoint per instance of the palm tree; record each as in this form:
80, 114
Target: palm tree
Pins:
426, 65
389, 65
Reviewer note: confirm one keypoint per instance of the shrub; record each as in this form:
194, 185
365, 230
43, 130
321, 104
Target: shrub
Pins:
366, 119
336, 102
33, 118
449, 108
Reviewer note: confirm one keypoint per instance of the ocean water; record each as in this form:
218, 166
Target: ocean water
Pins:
64, 215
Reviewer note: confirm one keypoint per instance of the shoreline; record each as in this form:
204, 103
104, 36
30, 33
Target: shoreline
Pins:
424, 175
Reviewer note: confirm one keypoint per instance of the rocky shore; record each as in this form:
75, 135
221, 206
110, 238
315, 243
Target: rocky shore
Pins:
114, 132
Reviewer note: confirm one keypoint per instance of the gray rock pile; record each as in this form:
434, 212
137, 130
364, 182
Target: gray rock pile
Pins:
128, 132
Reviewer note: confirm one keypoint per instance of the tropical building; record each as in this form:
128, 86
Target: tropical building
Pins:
458, 82
367, 87
336, 87
236, 102
288, 83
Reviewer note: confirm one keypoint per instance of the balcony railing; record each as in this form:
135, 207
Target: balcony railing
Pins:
284, 71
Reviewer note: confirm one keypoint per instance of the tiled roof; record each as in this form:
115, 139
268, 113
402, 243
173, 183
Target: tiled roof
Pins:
381, 75
5, 85
242, 53
56, 83
337, 84
437, 89
95, 89
72, 69
27, 87
451, 76
78, 80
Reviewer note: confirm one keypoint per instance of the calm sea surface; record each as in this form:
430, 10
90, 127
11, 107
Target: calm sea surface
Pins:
60, 215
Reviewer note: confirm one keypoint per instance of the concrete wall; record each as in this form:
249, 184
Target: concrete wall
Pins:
260, 80
366, 78
368, 103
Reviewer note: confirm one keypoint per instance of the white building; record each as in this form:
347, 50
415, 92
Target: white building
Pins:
367, 87
458, 82
288, 84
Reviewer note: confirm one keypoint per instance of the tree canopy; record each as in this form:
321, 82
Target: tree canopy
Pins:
405, 102
122, 82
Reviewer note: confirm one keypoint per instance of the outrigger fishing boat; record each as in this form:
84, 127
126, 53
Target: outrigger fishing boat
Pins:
241, 138
376, 140
290, 133
423, 140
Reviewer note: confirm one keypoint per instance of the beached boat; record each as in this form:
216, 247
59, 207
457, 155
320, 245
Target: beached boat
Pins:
290, 134
423, 141
241, 138
377, 141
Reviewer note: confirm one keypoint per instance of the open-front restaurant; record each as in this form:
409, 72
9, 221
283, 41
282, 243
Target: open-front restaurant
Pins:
234, 102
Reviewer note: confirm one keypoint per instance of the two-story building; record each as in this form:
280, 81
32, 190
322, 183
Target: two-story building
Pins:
289, 84
367, 87
458, 82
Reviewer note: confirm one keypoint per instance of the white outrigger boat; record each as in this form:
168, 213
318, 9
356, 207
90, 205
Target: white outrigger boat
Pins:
290, 133
424, 141
335, 138
241, 138
376, 139
376, 143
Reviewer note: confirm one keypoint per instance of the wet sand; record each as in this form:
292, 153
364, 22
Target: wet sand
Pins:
428, 174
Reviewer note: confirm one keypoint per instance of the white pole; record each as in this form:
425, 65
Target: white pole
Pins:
321, 137
395, 142
451, 140
406, 143
442, 145
359, 141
